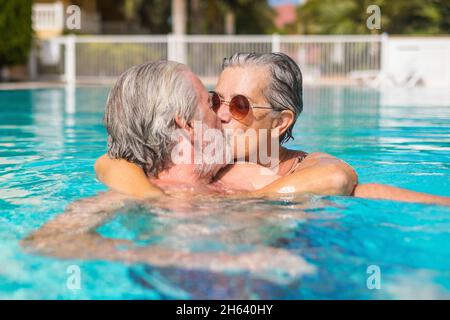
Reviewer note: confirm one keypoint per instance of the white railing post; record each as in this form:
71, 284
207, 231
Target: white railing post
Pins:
275, 42
384, 62
171, 49
182, 48
32, 63
70, 59
176, 48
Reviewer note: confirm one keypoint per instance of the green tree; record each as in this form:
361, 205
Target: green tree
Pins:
155, 15
415, 16
140, 16
203, 16
397, 17
250, 16
15, 32
254, 17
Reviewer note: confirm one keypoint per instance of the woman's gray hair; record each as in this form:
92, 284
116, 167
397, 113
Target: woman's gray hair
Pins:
284, 91
141, 110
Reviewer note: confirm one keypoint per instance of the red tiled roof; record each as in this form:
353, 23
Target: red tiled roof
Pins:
285, 14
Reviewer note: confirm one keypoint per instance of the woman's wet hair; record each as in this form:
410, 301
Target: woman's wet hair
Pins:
284, 91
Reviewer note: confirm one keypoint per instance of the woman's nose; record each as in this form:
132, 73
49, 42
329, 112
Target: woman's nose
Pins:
224, 113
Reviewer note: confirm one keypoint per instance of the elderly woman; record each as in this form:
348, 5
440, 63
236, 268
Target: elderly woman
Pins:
261, 93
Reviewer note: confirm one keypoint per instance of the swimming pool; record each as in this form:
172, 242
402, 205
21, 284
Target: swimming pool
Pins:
50, 138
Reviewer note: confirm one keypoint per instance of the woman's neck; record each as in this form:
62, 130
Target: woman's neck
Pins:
275, 160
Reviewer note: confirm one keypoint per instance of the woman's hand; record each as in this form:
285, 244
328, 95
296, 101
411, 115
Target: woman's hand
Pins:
382, 191
126, 177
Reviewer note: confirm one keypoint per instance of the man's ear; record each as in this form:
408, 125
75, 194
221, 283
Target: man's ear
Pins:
284, 121
185, 125
182, 123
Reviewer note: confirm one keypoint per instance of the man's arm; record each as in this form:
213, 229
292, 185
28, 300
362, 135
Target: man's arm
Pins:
125, 177
72, 235
318, 173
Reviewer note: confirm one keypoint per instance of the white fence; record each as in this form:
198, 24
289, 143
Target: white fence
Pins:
372, 60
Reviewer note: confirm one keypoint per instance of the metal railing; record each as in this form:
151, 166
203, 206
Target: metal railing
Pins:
105, 57
371, 60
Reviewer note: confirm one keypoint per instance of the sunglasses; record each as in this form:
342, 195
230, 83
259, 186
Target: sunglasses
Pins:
239, 105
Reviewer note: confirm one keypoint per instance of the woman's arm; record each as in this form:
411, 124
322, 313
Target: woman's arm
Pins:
318, 173
321, 173
125, 177
380, 191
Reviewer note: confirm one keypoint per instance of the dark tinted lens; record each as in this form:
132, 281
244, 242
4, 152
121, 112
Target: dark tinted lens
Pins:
239, 107
215, 101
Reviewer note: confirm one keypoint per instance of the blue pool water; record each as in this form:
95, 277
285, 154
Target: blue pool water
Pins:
50, 138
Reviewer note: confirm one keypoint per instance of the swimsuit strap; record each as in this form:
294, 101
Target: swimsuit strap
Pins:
297, 161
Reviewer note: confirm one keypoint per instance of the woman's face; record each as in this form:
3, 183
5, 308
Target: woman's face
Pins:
250, 135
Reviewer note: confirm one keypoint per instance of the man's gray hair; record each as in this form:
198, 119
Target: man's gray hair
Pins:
141, 110
284, 91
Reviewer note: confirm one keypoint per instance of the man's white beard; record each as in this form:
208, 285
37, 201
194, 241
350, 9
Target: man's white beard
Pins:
210, 165
207, 170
